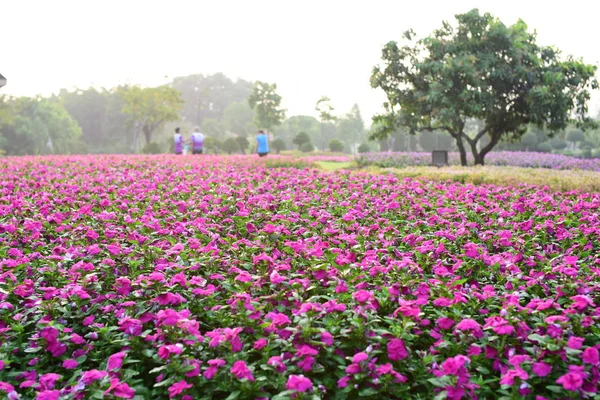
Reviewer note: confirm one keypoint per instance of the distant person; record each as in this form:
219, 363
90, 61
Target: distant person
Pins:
197, 141
178, 141
262, 144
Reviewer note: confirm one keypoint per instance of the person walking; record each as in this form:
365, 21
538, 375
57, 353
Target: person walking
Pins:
262, 144
178, 141
197, 141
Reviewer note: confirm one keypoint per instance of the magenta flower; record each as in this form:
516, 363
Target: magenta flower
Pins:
178, 387
571, 381
541, 369
116, 360
48, 395
396, 350
70, 364
240, 370
590, 356
299, 383
360, 357
93, 375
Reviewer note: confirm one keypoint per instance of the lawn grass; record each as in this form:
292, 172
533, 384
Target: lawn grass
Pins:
333, 166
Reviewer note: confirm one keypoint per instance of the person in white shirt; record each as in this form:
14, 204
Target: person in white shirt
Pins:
197, 142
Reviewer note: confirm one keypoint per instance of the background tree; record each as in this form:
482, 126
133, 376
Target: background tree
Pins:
307, 147
364, 148
230, 145
351, 128
266, 104
150, 108
325, 110
278, 145
485, 70
575, 136
336, 146
237, 118
529, 140
243, 143
208, 96
39, 126
300, 139
212, 145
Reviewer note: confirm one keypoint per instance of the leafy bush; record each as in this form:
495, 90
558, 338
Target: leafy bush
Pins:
151, 148
558, 144
278, 145
242, 143
364, 148
544, 147
336, 146
300, 139
230, 145
307, 147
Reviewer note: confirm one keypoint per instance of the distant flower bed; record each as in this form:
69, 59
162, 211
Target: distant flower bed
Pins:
501, 158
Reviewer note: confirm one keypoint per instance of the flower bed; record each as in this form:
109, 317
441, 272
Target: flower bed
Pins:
217, 278
500, 158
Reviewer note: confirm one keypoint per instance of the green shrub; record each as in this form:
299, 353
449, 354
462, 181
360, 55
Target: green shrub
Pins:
336, 146
307, 147
278, 145
151, 148
230, 145
364, 148
544, 147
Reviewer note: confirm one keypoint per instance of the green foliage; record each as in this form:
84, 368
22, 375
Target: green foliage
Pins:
575, 136
428, 140
336, 146
150, 108
151, 148
544, 147
213, 127
237, 118
529, 140
300, 139
364, 148
477, 70
351, 128
209, 96
242, 143
558, 144
307, 147
230, 145
325, 110
212, 144
39, 126
266, 103
278, 145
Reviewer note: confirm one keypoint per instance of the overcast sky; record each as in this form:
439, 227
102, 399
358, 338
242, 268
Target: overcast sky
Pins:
309, 48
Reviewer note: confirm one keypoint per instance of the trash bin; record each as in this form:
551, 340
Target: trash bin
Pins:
439, 158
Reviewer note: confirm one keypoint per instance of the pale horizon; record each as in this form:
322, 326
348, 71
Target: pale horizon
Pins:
309, 49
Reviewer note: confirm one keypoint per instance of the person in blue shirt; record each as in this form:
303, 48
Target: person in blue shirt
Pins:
262, 144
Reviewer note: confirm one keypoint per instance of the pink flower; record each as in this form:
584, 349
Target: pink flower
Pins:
360, 357
396, 350
590, 356
48, 395
93, 375
362, 296
116, 360
571, 381
445, 323
353, 369
260, 343
581, 302
241, 371
343, 381
120, 389
299, 383
468, 325
276, 363
49, 380
541, 369
178, 388
327, 338
509, 377
453, 364
575, 342
70, 364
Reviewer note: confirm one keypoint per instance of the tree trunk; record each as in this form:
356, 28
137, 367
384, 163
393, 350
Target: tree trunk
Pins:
476, 154
147, 133
461, 150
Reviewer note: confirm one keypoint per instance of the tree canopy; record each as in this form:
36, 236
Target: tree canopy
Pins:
480, 69
266, 103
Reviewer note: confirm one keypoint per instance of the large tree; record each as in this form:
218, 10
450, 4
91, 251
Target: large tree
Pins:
351, 128
149, 108
480, 69
266, 103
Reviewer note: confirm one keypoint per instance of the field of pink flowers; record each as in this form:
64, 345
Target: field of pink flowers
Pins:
522, 159
217, 278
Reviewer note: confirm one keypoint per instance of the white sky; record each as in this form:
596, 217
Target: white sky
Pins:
309, 48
